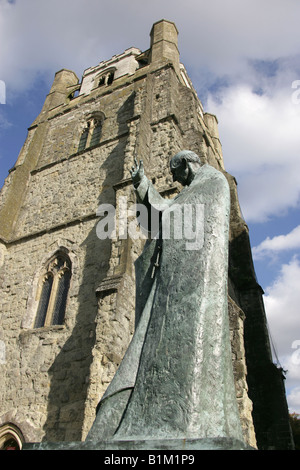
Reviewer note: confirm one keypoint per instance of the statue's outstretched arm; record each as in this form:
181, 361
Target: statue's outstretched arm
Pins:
145, 191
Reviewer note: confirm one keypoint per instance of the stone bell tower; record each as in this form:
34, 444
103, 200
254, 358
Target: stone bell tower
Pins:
67, 296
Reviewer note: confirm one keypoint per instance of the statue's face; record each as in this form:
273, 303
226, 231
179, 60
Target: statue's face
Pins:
180, 172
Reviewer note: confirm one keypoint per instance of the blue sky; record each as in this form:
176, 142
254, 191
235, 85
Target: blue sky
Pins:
243, 57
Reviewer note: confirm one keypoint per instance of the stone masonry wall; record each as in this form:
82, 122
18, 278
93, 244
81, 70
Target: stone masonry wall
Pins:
45, 377
47, 371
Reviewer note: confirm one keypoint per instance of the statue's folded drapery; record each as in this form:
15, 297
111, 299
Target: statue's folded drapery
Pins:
176, 378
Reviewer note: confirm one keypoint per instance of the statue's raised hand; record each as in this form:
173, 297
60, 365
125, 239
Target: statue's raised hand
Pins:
137, 171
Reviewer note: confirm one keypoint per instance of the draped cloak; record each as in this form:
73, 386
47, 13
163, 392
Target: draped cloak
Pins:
176, 379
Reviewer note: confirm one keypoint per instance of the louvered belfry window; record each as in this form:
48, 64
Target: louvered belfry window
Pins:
53, 292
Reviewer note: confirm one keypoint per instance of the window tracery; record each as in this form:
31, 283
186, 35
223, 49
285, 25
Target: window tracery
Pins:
53, 292
91, 134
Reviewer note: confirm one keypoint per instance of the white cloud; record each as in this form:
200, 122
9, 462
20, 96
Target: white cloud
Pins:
41, 35
261, 146
294, 400
277, 244
282, 300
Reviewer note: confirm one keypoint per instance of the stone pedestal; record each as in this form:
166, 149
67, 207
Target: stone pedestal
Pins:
145, 445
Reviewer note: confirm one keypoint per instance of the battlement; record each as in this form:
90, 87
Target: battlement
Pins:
109, 70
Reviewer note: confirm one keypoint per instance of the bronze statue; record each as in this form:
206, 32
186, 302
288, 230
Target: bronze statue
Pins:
176, 378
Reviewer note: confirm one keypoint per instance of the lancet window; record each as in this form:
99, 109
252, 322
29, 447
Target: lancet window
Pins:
91, 134
53, 292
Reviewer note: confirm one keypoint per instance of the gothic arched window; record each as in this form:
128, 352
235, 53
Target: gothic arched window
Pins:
83, 138
96, 132
11, 438
53, 291
91, 134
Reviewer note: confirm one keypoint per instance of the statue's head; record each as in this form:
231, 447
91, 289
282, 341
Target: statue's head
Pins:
184, 166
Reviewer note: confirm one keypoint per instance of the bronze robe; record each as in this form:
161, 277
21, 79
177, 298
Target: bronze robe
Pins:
176, 379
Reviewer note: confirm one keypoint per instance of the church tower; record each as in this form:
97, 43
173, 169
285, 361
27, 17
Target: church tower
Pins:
67, 294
